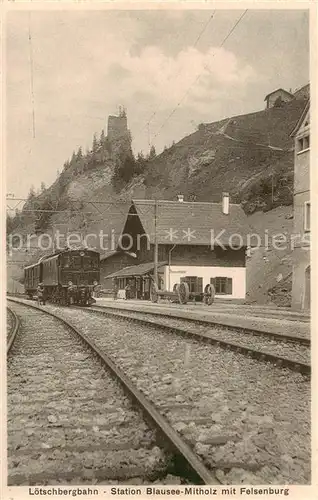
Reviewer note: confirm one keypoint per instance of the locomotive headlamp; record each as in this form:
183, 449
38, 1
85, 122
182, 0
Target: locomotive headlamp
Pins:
82, 254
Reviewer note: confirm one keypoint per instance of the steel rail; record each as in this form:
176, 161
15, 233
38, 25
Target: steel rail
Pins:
207, 322
281, 361
151, 413
14, 329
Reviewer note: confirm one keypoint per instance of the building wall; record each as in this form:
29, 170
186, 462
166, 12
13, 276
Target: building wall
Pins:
173, 274
301, 279
204, 256
279, 93
301, 168
301, 253
113, 264
299, 215
193, 255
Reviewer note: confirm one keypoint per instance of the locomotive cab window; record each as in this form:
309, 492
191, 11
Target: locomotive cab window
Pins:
66, 261
90, 262
76, 261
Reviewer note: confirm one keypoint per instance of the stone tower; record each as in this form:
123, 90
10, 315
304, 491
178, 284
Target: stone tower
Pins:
117, 126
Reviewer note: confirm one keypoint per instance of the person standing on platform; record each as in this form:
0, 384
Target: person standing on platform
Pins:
40, 294
127, 291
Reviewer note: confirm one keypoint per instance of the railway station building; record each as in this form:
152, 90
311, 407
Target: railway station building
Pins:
113, 261
201, 243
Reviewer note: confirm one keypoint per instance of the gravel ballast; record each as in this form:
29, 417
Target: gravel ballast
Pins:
214, 314
69, 421
248, 420
284, 348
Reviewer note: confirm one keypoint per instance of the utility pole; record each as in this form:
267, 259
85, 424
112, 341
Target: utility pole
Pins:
155, 268
272, 171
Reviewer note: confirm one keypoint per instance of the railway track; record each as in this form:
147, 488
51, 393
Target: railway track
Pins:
286, 351
221, 323
70, 421
248, 421
13, 324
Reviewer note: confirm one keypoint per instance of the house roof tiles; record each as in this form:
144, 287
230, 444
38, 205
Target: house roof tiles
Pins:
190, 223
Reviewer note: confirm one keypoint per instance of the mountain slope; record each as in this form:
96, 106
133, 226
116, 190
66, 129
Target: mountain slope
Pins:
250, 156
235, 155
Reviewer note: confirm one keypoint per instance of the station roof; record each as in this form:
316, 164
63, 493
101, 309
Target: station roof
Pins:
189, 223
140, 270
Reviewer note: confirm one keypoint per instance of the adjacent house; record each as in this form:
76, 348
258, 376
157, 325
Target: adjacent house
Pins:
111, 262
277, 97
203, 242
301, 253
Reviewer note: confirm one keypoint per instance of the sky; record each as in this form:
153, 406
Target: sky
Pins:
172, 70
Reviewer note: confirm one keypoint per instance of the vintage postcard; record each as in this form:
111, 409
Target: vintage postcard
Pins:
158, 289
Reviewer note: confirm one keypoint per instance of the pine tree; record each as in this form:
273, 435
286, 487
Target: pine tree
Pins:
79, 154
102, 138
140, 157
43, 187
73, 158
95, 144
140, 163
31, 194
152, 153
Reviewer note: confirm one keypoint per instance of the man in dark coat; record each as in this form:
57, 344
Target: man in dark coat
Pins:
40, 291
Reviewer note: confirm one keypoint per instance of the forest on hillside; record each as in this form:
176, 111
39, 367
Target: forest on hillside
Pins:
250, 156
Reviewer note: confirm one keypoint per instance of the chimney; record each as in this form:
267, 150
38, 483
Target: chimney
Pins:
225, 203
180, 198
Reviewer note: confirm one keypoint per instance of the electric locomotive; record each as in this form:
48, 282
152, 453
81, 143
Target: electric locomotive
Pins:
68, 276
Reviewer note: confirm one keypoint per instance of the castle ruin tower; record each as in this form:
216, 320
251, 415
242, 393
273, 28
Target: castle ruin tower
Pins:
118, 134
117, 127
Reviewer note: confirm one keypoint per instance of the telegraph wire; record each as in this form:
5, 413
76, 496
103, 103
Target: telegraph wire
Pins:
234, 27
204, 28
199, 76
147, 124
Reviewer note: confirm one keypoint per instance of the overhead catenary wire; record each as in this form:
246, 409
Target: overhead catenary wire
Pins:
154, 113
200, 74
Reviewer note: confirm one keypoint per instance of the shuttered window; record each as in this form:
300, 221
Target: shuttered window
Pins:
222, 285
303, 144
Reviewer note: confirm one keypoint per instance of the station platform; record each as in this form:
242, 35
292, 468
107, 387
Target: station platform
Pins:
262, 318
